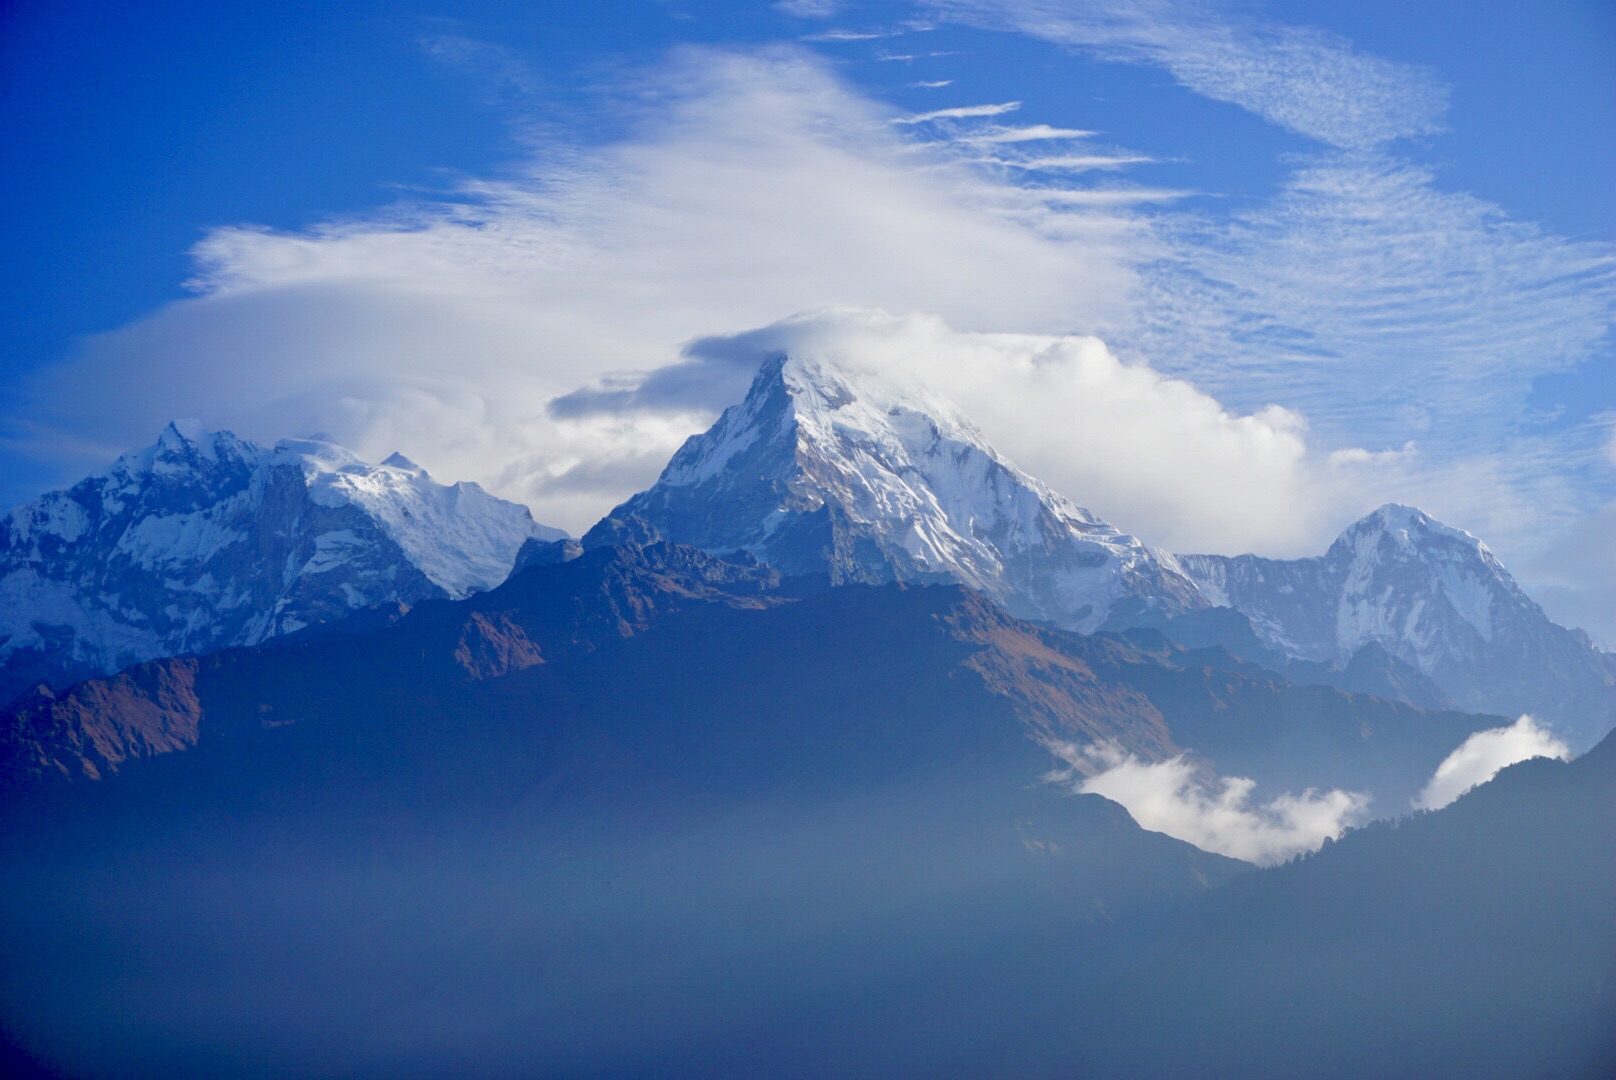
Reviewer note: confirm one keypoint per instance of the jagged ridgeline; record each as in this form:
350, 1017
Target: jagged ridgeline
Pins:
783, 769
823, 469
203, 541
648, 811
834, 470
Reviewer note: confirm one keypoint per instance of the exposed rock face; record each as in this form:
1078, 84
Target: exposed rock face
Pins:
1433, 597
827, 470
204, 541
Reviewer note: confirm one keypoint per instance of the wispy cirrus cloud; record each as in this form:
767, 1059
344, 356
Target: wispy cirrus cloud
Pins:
1122, 195
1306, 80
1368, 297
960, 112
851, 35
1410, 321
809, 9
501, 76
1076, 162
1028, 133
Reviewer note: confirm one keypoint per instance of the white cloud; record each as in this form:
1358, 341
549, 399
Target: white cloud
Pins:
1480, 757
809, 9
833, 36
1168, 797
1116, 196
1151, 451
934, 84
1306, 80
1078, 162
961, 112
1378, 304
750, 186
1027, 133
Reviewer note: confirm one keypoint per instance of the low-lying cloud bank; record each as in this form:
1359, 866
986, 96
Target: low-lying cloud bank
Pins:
1481, 757
1175, 798
1164, 796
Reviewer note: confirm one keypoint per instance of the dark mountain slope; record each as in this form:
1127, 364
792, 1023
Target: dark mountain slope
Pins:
692, 821
1479, 941
640, 812
1153, 698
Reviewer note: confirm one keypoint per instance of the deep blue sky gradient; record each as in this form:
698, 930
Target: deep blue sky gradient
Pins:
129, 130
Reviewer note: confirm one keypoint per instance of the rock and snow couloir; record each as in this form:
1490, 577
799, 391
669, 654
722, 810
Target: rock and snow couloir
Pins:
204, 541
824, 469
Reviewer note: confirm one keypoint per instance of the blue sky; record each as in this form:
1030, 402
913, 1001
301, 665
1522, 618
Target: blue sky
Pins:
1339, 254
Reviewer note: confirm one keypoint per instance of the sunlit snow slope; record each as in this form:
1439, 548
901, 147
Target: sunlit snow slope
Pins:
824, 469
204, 540
1434, 597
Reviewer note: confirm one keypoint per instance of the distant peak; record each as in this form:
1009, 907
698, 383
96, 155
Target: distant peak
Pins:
1408, 525
399, 461
1391, 517
186, 431
1398, 513
321, 454
181, 442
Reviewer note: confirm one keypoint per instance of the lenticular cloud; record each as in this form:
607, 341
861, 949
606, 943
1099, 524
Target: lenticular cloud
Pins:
1481, 756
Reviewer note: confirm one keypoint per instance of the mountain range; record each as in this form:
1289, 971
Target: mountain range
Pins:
647, 811
840, 750
827, 469
203, 541
1434, 598
830, 469
1136, 690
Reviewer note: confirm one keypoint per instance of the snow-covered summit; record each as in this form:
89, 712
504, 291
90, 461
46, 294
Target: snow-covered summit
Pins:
1410, 531
204, 540
1434, 597
824, 468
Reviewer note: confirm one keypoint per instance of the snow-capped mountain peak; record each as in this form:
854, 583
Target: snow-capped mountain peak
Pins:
1411, 531
1434, 597
1440, 564
828, 468
204, 540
